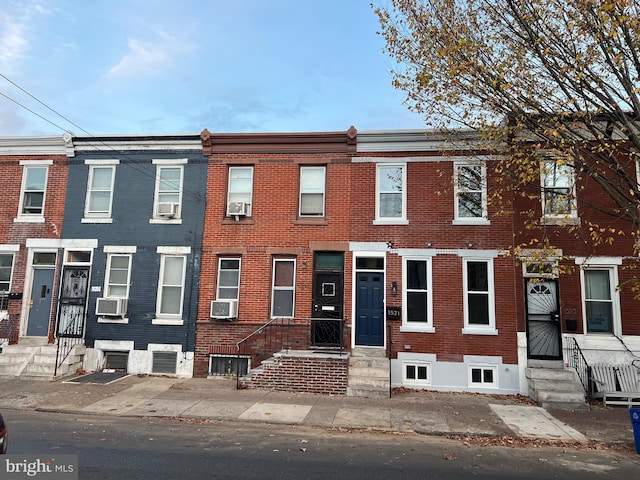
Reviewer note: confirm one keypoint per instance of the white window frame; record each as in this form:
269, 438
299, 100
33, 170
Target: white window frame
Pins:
218, 283
313, 190
26, 167
416, 381
291, 288
402, 219
99, 217
161, 165
248, 195
556, 217
483, 368
410, 326
109, 270
614, 295
459, 191
165, 253
474, 328
11, 253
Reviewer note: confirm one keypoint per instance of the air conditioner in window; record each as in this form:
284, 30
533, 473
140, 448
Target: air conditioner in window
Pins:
224, 309
238, 209
111, 307
167, 209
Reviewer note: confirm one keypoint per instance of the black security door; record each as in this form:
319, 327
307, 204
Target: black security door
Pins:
328, 299
73, 300
543, 319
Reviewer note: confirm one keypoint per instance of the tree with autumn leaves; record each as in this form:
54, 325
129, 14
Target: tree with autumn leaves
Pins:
551, 86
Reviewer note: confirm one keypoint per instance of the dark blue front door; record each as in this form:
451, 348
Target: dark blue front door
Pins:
370, 309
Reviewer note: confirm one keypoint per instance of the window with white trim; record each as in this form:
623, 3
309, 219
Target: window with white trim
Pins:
171, 285
6, 272
417, 294
100, 191
485, 376
118, 274
417, 373
470, 191
283, 287
479, 311
168, 191
240, 188
228, 279
558, 189
312, 191
600, 307
32, 195
391, 193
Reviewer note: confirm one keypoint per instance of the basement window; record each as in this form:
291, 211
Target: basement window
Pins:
116, 360
224, 365
483, 376
416, 373
164, 362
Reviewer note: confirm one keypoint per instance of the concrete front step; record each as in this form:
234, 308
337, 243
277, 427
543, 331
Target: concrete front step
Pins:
367, 392
556, 388
368, 352
550, 374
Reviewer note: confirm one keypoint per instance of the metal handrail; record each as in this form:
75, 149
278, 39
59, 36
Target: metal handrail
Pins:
284, 333
579, 363
65, 342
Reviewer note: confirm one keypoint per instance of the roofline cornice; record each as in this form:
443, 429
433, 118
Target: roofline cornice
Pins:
37, 145
417, 140
100, 143
279, 142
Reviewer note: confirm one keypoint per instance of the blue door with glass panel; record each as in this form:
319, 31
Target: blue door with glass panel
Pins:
369, 309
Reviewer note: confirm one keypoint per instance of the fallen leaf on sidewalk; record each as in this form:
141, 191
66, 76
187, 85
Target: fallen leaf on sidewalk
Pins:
447, 457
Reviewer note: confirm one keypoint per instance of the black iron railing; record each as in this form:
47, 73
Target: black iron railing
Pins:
65, 343
575, 359
289, 334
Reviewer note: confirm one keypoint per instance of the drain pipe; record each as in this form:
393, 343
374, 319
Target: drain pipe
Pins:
390, 356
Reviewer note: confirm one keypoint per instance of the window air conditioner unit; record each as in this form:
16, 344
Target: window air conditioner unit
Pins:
238, 209
167, 209
224, 309
111, 307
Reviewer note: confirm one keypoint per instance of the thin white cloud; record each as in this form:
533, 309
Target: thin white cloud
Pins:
145, 57
13, 42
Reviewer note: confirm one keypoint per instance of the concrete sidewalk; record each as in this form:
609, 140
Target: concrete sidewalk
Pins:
424, 412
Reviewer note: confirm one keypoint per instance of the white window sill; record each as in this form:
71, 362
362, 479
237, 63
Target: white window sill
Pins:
471, 221
166, 221
417, 329
121, 320
167, 321
415, 384
560, 221
33, 219
96, 220
479, 331
390, 221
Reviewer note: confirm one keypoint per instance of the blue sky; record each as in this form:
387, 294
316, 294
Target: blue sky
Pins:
167, 66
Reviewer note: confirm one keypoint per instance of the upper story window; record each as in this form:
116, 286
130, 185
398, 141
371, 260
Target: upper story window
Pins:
418, 295
33, 191
240, 191
470, 193
391, 181
167, 203
283, 287
558, 190
312, 191
100, 189
6, 271
228, 279
479, 310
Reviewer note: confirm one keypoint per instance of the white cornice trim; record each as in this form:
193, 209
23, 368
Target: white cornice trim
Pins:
417, 140
40, 145
99, 143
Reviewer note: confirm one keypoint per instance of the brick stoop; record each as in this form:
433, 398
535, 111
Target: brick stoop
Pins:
301, 371
556, 388
368, 373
